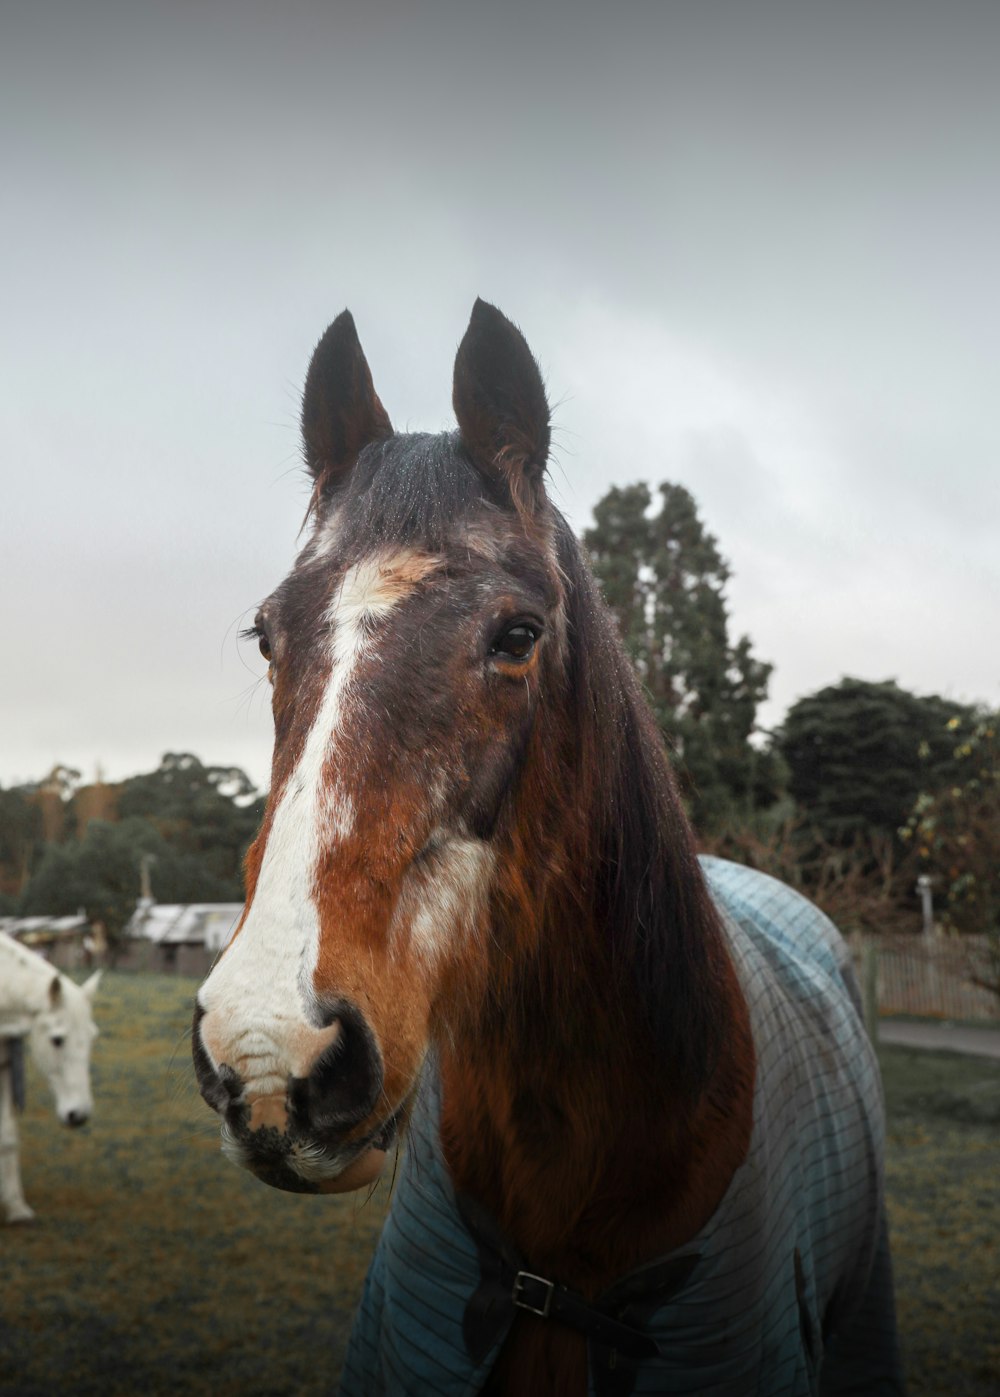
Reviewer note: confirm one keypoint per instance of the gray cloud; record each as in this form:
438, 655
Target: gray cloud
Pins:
752, 247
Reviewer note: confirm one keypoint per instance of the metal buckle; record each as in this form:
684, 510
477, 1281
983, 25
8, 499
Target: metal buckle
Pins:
520, 1281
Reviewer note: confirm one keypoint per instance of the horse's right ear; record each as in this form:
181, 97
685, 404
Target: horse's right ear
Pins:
55, 992
341, 412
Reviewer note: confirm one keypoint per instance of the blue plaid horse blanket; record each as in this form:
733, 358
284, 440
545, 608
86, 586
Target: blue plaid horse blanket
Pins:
788, 1287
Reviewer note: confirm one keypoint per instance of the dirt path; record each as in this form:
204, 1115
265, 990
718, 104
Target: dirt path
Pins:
941, 1037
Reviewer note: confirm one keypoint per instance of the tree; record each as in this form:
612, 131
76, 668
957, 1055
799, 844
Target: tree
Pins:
101, 874
955, 829
664, 579
211, 813
20, 837
859, 753
193, 821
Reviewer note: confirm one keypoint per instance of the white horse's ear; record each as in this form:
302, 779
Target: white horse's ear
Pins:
89, 987
55, 992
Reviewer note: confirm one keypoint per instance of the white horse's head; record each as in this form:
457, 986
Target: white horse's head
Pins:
61, 1035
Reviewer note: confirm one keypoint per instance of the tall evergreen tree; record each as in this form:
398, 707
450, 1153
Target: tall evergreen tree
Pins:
664, 578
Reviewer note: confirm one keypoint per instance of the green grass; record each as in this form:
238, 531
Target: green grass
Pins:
943, 1179
156, 1267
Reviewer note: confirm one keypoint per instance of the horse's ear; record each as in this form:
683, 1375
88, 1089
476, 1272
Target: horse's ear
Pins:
55, 992
89, 986
341, 412
499, 400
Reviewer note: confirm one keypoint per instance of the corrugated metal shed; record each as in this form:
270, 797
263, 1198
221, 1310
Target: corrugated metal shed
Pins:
207, 924
31, 929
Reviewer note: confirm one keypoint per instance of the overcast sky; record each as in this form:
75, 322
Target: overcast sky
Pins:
753, 246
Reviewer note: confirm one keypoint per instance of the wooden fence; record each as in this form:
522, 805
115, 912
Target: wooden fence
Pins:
934, 977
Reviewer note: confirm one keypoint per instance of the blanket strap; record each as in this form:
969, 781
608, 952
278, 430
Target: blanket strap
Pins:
507, 1285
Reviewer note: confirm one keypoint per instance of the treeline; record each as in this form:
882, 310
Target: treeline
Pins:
182, 830
862, 788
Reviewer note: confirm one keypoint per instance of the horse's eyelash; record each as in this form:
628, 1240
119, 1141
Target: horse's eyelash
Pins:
252, 633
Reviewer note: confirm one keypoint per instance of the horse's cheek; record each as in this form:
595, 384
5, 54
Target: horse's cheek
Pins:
494, 758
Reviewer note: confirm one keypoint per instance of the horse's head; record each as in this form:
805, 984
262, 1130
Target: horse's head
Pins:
61, 1035
411, 650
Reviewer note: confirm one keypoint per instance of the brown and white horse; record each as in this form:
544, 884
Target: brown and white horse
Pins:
473, 848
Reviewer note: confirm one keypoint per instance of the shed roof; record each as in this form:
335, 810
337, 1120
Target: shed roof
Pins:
27, 929
208, 924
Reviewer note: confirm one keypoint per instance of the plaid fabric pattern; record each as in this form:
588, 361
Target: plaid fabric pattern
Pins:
792, 1292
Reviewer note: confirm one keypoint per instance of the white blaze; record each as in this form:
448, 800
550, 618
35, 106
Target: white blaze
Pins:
257, 998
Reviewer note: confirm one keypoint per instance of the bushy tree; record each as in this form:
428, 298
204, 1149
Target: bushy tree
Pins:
211, 813
955, 829
859, 753
664, 578
101, 874
20, 837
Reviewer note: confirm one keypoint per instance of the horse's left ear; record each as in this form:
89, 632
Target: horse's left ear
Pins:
341, 412
89, 987
55, 992
499, 400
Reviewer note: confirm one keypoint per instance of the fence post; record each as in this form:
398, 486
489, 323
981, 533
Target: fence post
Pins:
924, 890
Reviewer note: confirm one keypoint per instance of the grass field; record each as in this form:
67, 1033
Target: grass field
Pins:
155, 1267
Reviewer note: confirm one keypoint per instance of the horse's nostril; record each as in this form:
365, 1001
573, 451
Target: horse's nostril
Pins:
231, 1083
75, 1118
345, 1081
219, 1089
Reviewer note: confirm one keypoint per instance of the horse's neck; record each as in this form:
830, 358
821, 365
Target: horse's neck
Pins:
590, 1157
23, 981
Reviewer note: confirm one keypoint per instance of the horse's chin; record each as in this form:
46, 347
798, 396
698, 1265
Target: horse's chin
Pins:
297, 1165
359, 1173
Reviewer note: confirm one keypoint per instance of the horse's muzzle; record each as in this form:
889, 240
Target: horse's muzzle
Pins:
306, 1135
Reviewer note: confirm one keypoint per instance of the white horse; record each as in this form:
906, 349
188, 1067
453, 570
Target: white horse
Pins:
53, 1013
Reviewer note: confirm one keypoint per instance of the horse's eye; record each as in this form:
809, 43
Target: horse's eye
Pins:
517, 643
57, 1042
259, 634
